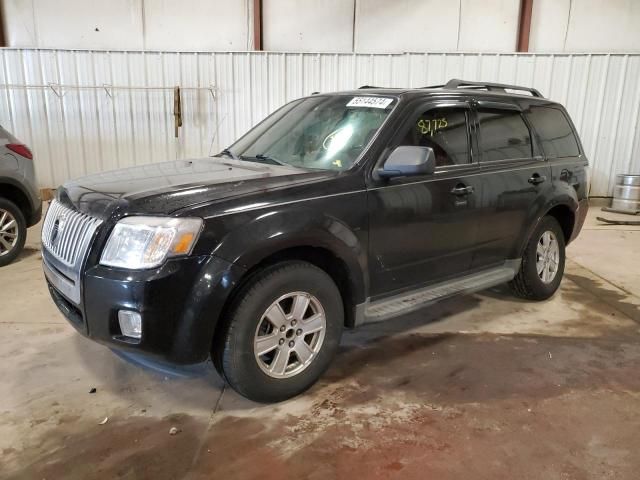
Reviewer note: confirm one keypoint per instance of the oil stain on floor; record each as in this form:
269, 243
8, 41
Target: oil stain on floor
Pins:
411, 406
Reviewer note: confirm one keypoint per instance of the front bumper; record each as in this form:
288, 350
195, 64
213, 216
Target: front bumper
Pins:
180, 304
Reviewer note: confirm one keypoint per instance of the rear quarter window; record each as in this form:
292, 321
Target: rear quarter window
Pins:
555, 132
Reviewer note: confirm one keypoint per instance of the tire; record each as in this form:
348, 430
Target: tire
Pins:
250, 329
531, 284
13, 231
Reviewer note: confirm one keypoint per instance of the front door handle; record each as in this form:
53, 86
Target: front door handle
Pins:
461, 190
537, 179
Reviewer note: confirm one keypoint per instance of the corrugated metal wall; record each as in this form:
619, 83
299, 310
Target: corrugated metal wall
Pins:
87, 111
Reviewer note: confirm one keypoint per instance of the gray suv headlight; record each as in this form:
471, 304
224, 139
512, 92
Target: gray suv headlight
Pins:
146, 242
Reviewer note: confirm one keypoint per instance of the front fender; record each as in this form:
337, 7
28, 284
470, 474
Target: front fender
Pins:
251, 240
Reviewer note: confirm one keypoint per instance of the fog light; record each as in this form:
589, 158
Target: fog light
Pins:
130, 323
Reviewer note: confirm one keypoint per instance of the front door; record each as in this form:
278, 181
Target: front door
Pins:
422, 228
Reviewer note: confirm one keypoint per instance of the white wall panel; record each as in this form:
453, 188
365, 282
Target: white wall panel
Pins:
549, 21
585, 26
489, 25
130, 24
197, 24
603, 25
431, 25
368, 26
308, 26
406, 25
18, 23
91, 24
122, 114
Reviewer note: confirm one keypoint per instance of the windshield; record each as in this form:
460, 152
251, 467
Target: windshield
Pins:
322, 132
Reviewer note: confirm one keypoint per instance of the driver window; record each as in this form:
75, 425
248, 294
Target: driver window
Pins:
445, 131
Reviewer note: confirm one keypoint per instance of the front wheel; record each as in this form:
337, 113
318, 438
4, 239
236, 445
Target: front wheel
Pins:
281, 333
542, 262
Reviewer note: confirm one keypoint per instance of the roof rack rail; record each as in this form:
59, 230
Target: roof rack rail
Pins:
367, 86
500, 87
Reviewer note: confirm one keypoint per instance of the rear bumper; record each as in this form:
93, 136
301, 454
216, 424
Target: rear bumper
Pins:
180, 304
30, 187
36, 213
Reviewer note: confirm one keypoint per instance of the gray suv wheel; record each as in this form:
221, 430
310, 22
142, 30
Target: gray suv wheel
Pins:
13, 231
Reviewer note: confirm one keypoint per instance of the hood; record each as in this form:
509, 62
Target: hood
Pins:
164, 188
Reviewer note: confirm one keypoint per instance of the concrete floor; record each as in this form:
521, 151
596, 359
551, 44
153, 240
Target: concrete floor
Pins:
484, 386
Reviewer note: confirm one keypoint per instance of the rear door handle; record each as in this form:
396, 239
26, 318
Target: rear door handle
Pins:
461, 190
537, 179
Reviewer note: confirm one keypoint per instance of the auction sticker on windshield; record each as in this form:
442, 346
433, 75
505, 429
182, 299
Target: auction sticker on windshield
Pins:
370, 102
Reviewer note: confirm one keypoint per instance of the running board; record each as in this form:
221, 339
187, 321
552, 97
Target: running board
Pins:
416, 299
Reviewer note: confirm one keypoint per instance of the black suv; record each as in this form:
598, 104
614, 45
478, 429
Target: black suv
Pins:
336, 210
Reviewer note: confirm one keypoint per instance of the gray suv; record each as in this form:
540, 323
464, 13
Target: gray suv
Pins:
20, 203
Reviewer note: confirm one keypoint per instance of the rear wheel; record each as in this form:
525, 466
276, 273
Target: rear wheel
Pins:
542, 262
13, 231
282, 332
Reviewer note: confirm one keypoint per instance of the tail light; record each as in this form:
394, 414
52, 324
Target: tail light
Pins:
20, 149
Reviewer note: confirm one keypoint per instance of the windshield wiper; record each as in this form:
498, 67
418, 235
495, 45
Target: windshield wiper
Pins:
229, 153
261, 157
267, 158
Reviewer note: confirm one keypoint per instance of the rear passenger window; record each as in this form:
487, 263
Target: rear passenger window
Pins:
556, 135
445, 131
503, 135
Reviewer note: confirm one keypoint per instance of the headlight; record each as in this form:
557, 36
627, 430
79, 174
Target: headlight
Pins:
146, 242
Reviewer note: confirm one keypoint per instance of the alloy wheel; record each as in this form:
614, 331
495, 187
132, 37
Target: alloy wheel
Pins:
547, 257
8, 232
289, 335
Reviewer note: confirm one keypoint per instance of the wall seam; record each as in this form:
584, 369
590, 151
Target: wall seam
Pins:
143, 15
353, 27
566, 32
459, 24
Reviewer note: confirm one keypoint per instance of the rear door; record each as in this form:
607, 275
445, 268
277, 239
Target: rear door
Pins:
560, 145
422, 228
515, 179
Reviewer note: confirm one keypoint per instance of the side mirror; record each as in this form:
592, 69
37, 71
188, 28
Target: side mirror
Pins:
406, 161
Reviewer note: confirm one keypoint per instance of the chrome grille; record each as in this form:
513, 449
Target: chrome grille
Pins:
66, 233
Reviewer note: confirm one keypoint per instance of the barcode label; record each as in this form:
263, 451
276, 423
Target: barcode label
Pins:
370, 102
